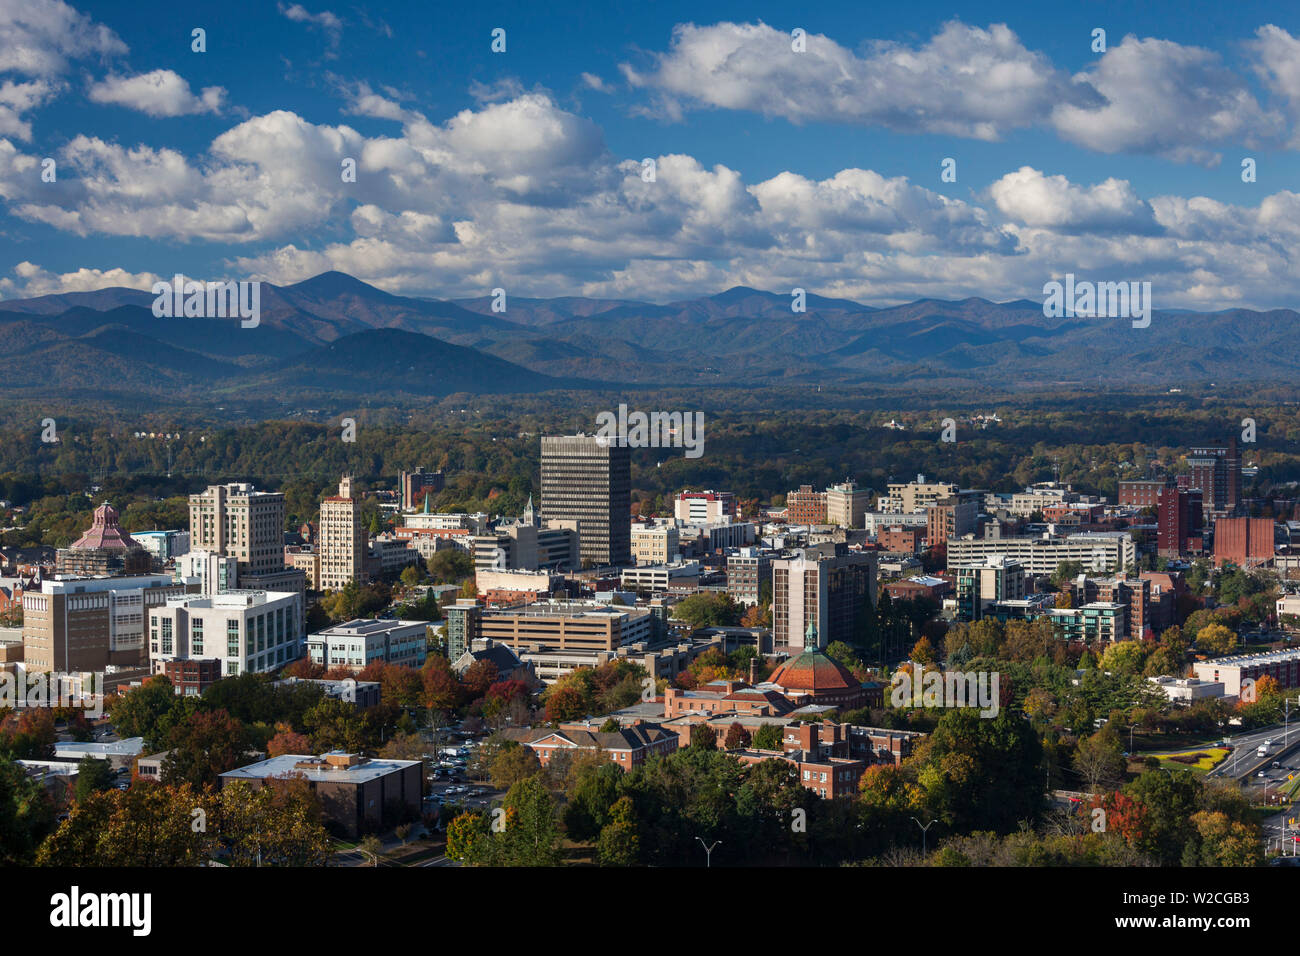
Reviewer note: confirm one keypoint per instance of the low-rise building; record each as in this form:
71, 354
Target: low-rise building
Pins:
357, 643
628, 747
357, 793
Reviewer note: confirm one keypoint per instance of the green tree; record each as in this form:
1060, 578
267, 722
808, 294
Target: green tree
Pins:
767, 737
93, 776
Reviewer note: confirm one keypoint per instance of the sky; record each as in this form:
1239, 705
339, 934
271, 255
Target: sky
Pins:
793, 145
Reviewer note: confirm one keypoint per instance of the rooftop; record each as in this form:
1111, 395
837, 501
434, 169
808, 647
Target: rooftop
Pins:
318, 769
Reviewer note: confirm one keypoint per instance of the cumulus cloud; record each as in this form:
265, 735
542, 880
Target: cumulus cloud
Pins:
39, 37
32, 280
159, 93
1053, 202
965, 81
1277, 61
1164, 98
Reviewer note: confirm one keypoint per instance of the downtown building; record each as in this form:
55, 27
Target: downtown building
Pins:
1179, 516
237, 542
342, 541
1094, 550
824, 588
528, 545
1216, 473
243, 631
88, 625
705, 507
588, 479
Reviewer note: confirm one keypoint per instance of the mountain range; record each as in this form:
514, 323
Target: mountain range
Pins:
334, 334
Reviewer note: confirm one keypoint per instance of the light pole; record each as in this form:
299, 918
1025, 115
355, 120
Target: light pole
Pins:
708, 852
1130, 739
923, 833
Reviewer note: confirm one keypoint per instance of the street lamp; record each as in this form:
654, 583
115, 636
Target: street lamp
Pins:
708, 852
923, 832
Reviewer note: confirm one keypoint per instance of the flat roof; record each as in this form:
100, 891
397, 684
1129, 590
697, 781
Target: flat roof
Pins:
117, 748
286, 766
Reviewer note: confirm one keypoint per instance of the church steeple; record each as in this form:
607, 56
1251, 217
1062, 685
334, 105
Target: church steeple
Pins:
528, 512
810, 640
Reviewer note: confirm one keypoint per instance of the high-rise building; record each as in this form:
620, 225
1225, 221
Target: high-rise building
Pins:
342, 544
823, 586
1216, 473
847, 504
704, 507
588, 479
1179, 514
747, 571
246, 526
805, 506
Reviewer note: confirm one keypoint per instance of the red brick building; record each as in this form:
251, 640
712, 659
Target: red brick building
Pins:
901, 539
1142, 493
805, 506
629, 747
1243, 541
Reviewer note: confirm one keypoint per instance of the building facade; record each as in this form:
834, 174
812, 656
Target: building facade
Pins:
589, 480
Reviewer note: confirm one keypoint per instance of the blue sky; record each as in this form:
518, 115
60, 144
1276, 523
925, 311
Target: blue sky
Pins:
777, 169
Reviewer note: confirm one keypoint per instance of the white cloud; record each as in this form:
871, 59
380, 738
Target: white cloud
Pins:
1277, 61
326, 21
34, 280
1164, 98
39, 37
965, 81
1053, 202
159, 93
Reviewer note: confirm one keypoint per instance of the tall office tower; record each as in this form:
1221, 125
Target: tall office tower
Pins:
822, 586
342, 541
1216, 473
239, 522
846, 504
1179, 520
589, 479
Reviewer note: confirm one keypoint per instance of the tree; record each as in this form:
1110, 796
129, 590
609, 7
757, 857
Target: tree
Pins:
708, 609
531, 836
513, 764
371, 847
767, 737
203, 748
467, 836
619, 843
1216, 640
738, 737
1099, 759
136, 712
277, 824
287, 741
450, 566
151, 826
704, 737
26, 814
93, 776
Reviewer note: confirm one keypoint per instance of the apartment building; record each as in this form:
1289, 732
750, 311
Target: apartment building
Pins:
238, 521
1179, 515
748, 569
342, 540
980, 586
589, 480
824, 587
1142, 492
1215, 471
246, 631
949, 517
1097, 623
1283, 666
911, 496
